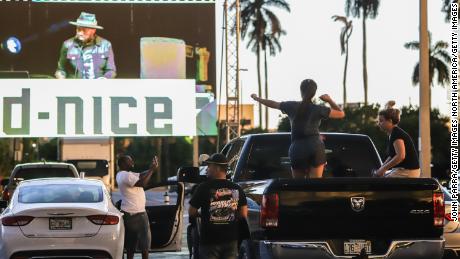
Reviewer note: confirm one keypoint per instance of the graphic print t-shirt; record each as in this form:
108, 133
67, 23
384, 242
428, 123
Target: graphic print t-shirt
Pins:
219, 201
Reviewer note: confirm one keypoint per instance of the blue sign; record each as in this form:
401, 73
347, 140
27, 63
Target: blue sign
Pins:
12, 45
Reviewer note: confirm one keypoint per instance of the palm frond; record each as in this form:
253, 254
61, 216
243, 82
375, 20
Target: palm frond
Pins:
275, 24
340, 18
414, 45
440, 45
442, 71
345, 32
372, 7
416, 75
444, 55
281, 4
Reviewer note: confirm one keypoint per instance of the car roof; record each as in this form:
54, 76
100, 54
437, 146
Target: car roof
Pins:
62, 180
288, 133
44, 165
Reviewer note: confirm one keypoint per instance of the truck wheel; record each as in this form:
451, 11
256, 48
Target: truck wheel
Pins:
246, 251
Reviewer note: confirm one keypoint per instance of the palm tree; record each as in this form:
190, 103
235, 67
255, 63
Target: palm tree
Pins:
256, 21
345, 34
439, 59
369, 9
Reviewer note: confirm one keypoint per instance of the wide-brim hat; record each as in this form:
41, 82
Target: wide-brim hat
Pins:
217, 158
87, 20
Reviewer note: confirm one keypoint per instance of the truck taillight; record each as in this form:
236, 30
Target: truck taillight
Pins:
438, 209
269, 212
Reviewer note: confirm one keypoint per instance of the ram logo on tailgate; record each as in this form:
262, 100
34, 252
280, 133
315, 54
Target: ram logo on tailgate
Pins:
357, 203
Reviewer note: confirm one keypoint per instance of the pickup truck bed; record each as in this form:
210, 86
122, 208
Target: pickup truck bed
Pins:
346, 214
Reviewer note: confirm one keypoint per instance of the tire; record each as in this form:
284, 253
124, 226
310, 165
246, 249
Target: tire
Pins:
246, 251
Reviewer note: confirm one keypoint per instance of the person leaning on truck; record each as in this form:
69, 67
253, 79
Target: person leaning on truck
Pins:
131, 185
402, 158
307, 151
222, 205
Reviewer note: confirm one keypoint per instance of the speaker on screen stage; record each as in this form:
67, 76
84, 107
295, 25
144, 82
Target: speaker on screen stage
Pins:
162, 58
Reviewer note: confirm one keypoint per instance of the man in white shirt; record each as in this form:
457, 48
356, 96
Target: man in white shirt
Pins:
131, 186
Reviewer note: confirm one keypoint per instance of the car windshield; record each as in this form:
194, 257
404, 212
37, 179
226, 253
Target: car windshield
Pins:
60, 193
35, 173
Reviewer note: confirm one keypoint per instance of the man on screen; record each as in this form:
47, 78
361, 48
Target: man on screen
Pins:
86, 55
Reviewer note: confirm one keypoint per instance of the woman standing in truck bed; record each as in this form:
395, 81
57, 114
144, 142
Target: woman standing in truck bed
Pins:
306, 152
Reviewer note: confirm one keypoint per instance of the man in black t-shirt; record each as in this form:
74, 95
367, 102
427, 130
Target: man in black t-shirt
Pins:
222, 204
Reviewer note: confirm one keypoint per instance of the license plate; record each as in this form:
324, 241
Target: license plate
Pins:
355, 247
60, 223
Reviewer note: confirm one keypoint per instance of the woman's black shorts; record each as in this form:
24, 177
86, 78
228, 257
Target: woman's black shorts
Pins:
307, 152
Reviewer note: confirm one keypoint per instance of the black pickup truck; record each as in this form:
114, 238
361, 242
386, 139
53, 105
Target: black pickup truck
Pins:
346, 214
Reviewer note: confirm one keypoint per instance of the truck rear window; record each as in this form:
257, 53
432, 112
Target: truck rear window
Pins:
35, 173
346, 157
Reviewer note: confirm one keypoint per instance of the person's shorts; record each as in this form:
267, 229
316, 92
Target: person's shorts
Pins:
403, 173
306, 153
137, 231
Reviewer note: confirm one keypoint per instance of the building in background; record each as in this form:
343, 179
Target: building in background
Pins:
246, 115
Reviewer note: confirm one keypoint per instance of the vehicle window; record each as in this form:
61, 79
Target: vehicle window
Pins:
98, 168
346, 157
349, 157
268, 159
158, 196
35, 173
233, 155
60, 193
226, 149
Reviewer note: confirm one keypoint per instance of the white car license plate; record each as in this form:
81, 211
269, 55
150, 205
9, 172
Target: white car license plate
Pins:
60, 223
355, 247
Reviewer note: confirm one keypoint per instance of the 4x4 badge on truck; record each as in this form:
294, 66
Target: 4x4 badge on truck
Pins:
357, 203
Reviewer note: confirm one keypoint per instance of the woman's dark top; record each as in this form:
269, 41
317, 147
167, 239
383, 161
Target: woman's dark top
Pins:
411, 159
305, 138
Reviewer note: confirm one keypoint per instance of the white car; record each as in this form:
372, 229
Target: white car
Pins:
61, 217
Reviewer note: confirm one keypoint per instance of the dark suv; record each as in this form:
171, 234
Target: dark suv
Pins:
30, 171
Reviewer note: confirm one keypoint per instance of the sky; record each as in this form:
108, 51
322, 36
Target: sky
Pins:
311, 49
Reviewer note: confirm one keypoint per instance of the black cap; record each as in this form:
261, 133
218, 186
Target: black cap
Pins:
217, 158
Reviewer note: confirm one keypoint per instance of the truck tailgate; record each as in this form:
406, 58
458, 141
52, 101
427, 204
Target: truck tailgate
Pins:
355, 208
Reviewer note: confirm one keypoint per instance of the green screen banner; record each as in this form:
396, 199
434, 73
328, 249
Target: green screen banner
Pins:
99, 107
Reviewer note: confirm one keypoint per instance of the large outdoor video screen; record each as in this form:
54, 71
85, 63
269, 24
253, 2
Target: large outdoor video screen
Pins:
149, 40
42, 28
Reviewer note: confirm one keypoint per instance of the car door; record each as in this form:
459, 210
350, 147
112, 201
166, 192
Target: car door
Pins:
165, 212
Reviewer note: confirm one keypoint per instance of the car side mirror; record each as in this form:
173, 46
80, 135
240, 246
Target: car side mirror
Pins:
190, 174
3, 204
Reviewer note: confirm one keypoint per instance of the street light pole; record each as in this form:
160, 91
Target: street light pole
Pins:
424, 111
